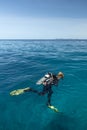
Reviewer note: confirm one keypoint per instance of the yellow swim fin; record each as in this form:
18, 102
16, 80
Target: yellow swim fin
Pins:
18, 91
53, 108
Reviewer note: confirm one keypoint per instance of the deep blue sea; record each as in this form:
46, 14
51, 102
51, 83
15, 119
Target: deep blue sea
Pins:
22, 63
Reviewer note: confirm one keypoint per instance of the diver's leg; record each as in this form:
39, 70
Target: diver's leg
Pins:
49, 97
31, 90
44, 91
35, 91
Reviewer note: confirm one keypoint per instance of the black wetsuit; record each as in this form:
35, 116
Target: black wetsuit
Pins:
47, 88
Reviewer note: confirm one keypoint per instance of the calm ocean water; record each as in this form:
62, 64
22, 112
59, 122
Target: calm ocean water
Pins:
22, 63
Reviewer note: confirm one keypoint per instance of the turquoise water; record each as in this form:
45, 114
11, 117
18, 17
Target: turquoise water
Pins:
22, 63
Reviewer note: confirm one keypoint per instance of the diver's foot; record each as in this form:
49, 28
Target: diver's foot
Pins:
27, 89
48, 104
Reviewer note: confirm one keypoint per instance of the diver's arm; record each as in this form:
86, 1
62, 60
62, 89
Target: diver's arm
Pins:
55, 82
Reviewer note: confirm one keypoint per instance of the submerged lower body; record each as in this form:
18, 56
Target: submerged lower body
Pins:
46, 90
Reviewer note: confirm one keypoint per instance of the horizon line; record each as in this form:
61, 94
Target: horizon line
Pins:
42, 38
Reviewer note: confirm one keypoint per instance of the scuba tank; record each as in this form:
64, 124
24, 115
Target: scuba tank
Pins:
40, 81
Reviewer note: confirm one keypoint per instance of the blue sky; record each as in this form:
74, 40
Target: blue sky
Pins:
43, 19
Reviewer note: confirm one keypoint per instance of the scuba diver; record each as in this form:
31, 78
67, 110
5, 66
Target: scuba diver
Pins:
47, 81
